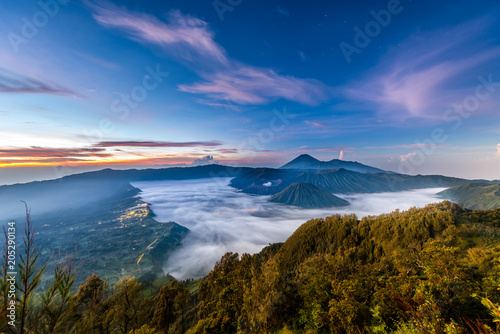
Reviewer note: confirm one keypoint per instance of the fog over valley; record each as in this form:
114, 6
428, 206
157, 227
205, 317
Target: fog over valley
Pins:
222, 219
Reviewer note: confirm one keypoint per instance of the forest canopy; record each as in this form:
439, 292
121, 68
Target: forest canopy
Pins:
429, 270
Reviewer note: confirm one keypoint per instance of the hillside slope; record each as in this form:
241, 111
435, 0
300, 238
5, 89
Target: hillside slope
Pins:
268, 181
63, 196
307, 196
420, 270
307, 162
475, 196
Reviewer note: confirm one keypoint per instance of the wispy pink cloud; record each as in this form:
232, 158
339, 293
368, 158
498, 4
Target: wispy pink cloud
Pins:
249, 85
16, 83
405, 146
191, 41
316, 124
228, 151
157, 144
405, 157
221, 104
184, 32
426, 74
42, 152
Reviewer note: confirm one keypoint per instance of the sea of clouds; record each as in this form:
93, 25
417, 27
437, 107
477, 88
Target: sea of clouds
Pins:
223, 219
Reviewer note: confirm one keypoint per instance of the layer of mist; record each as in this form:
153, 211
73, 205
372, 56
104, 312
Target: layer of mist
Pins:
221, 219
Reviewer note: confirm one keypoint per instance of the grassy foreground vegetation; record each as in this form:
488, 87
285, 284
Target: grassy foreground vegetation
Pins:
429, 270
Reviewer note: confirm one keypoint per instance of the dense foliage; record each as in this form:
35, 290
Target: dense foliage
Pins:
430, 270
475, 196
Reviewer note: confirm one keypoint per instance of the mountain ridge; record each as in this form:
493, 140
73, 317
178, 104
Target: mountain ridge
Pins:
475, 196
268, 181
307, 196
307, 162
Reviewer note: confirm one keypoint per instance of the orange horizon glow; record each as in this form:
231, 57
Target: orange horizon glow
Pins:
135, 162
119, 162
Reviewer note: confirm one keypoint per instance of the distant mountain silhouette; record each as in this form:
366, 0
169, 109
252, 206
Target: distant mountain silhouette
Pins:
475, 196
308, 196
93, 189
305, 161
268, 181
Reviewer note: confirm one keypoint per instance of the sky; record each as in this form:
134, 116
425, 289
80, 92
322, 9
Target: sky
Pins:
407, 86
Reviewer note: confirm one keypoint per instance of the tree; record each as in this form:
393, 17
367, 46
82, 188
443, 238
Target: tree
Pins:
47, 311
57, 308
349, 308
170, 305
221, 296
29, 279
91, 305
145, 329
128, 309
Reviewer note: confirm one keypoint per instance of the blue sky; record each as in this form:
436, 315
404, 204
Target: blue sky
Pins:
136, 83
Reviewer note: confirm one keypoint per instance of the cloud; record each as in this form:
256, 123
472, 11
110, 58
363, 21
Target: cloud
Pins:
40, 152
222, 219
248, 85
217, 104
191, 42
406, 146
115, 153
99, 61
316, 124
227, 151
341, 155
326, 149
40, 161
498, 149
281, 11
184, 32
158, 144
49, 156
206, 160
405, 157
303, 57
15, 83
427, 73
